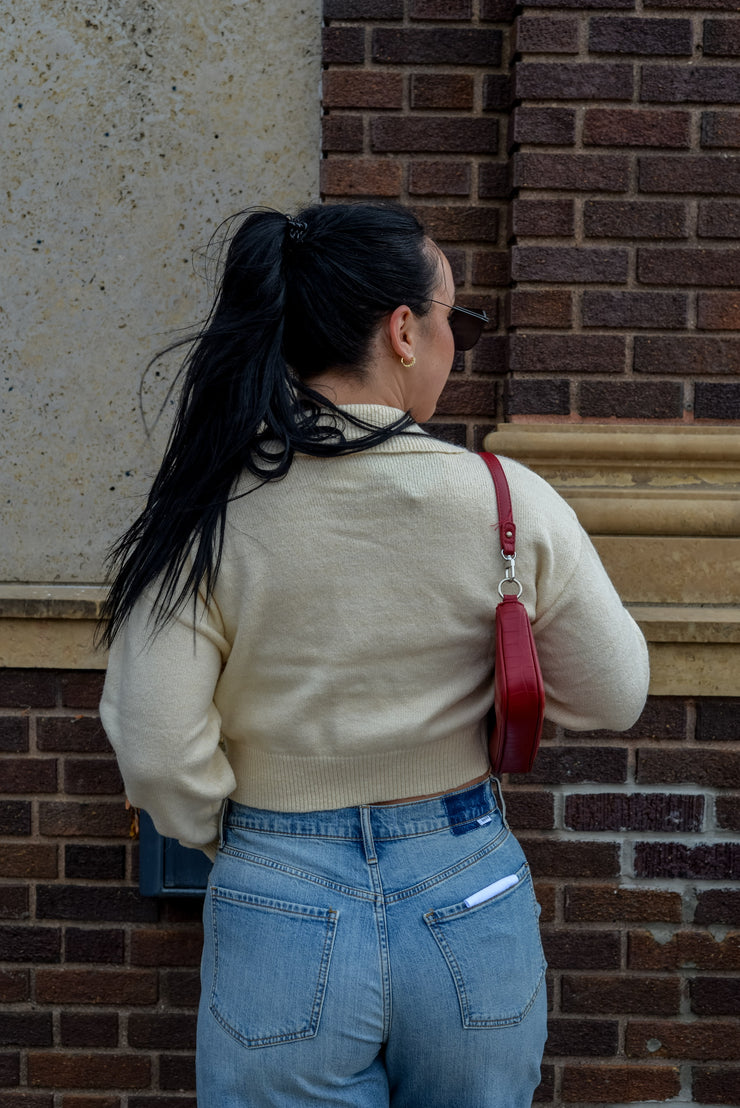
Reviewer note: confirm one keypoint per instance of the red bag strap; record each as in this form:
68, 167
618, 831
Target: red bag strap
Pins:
507, 528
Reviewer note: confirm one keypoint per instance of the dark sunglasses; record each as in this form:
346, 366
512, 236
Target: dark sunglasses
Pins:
465, 324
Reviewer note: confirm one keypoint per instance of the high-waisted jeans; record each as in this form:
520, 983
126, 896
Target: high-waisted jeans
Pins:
343, 966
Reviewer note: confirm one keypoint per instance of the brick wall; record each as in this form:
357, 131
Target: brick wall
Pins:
634, 840
588, 156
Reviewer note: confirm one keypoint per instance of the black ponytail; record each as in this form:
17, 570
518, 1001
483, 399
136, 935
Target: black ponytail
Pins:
297, 296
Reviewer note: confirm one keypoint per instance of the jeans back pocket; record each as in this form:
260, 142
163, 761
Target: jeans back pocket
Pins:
494, 954
271, 964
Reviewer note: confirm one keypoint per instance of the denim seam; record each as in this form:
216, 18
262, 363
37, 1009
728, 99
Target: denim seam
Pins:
255, 859
438, 878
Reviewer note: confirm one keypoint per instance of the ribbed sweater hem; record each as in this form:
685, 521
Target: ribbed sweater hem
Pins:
309, 782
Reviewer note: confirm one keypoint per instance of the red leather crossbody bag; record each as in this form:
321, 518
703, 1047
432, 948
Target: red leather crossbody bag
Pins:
519, 701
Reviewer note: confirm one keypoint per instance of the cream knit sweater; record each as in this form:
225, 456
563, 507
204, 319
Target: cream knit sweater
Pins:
345, 657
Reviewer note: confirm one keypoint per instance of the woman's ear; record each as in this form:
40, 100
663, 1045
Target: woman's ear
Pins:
401, 332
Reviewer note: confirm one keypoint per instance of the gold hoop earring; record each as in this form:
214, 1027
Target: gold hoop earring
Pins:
408, 365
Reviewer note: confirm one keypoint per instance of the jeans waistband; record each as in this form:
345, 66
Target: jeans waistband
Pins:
455, 810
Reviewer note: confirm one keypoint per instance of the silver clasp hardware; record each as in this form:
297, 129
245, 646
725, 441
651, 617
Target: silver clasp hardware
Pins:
510, 577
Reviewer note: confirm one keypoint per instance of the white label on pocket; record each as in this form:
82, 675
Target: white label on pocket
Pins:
491, 890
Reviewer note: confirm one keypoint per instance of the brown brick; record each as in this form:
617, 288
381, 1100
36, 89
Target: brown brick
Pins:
455, 433
88, 1071
15, 986
28, 775
159, 1101
15, 817
441, 90
82, 688
720, 129
491, 267
19, 943
440, 9
92, 775
630, 399
635, 309
24, 1099
468, 398
667, 84
353, 89
688, 266
546, 34
82, 734
706, 173
728, 812
176, 1071
715, 996
96, 863
586, 5
635, 127
530, 809
716, 861
414, 46
569, 264
161, 1030
416, 134
635, 219
97, 945
620, 1083
718, 719
13, 734
722, 38
498, 11
634, 812
585, 1038
180, 988
439, 178
541, 308
28, 688
537, 397
343, 45
582, 950
493, 181
719, 219
716, 401
637, 35
156, 947
342, 133
663, 718
87, 1029
718, 311
684, 950
544, 126
599, 994
550, 859
360, 177
543, 218
578, 172
10, 1068
566, 354
465, 223
498, 92
93, 902
698, 1041
716, 1084
28, 860
718, 906
14, 902
104, 818
571, 764
363, 9
98, 1102
573, 81
689, 355
115, 988
26, 1029
609, 903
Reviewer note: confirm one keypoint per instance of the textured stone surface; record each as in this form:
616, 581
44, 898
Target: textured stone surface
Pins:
130, 131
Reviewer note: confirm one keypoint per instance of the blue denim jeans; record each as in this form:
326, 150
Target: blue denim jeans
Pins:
343, 966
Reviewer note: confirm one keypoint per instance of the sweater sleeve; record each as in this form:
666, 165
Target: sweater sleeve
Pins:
158, 712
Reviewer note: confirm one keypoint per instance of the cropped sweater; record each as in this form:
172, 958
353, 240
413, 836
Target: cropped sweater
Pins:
345, 656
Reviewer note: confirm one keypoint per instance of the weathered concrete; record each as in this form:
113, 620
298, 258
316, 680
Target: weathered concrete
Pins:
130, 129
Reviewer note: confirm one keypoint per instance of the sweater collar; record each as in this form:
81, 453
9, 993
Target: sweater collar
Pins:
413, 440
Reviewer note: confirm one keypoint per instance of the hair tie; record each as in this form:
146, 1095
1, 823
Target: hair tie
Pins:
296, 229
